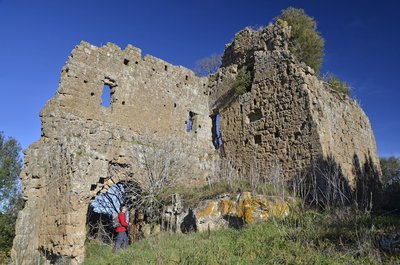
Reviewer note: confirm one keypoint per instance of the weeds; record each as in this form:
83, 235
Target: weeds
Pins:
317, 239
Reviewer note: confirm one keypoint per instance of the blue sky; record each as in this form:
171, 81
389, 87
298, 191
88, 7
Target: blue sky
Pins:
362, 39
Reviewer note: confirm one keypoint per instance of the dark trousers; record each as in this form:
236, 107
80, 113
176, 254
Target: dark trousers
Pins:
122, 241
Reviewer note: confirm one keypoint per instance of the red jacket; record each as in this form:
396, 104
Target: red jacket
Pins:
123, 223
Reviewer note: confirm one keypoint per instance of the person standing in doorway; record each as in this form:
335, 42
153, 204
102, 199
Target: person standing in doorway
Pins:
122, 238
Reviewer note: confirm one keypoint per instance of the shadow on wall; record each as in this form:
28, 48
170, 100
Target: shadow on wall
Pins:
323, 185
53, 258
369, 187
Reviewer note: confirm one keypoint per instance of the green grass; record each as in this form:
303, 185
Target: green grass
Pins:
316, 238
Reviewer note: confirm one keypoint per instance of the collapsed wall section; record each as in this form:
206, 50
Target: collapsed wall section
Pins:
83, 141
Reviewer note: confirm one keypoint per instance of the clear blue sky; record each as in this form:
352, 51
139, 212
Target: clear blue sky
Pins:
362, 47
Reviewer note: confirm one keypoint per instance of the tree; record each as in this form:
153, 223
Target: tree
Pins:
208, 65
390, 168
159, 164
305, 42
10, 167
10, 199
242, 82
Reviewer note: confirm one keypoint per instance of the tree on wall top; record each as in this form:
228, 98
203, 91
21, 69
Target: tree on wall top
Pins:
306, 42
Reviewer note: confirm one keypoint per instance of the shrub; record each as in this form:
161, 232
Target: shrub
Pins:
390, 168
337, 84
242, 82
208, 65
305, 42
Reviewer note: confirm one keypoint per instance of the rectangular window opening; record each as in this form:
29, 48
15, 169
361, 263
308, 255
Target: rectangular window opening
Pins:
216, 133
191, 122
106, 96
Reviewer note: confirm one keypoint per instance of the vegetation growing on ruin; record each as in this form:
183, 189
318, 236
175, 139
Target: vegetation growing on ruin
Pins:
338, 233
242, 82
337, 84
208, 65
306, 43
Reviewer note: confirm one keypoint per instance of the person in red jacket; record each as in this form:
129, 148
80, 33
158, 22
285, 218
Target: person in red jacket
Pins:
122, 238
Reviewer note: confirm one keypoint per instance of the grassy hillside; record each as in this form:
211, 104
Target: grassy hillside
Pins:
313, 238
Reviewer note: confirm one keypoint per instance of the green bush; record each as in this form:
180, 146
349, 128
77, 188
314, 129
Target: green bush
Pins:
337, 84
242, 82
390, 168
305, 42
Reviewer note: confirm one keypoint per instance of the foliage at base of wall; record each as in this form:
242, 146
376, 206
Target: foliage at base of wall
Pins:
309, 237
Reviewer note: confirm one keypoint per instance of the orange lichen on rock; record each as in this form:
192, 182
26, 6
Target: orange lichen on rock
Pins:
227, 207
209, 209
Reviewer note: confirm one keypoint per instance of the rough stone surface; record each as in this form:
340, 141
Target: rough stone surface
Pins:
287, 119
82, 141
247, 208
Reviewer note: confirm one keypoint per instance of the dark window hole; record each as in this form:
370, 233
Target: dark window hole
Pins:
106, 96
190, 121
257, 139
123, 102
166, 67
216, 134
126, 61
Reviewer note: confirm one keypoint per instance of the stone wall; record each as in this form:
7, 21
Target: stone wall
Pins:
82, 140
288, 119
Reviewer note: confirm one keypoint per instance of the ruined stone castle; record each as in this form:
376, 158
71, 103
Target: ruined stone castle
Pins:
287, 118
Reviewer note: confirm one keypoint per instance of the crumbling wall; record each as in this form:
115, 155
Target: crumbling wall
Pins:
270, 125
82, 141
287, 118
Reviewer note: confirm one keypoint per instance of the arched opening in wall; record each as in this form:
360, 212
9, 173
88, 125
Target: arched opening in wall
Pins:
102, 215
106, 96
216, 133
